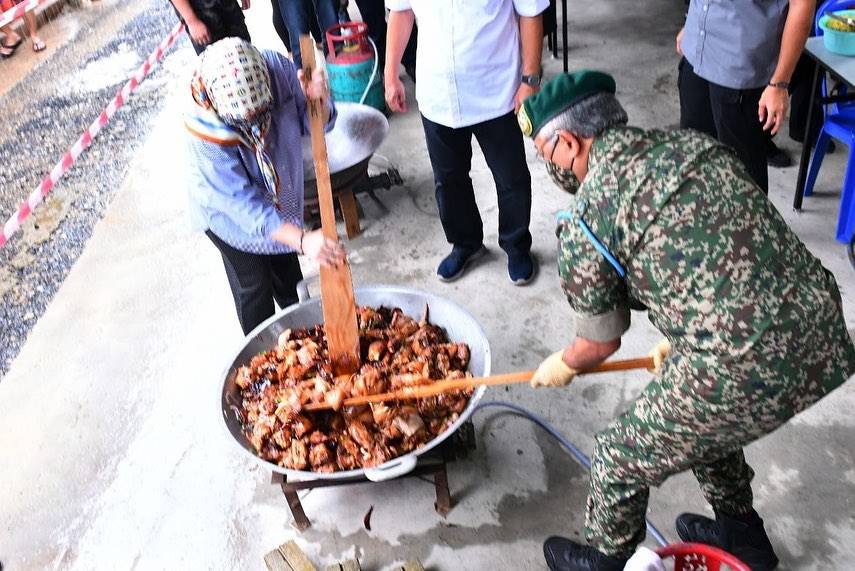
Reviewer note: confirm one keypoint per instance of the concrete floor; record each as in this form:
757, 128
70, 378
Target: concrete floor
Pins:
111, 443
52, 28
49, 98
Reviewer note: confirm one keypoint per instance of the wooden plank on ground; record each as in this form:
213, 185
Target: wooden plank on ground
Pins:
413, 565
275, 562
295, 557
349, 565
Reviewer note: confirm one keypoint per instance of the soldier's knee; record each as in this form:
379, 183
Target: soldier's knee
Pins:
606, 459
617, 461
608, 438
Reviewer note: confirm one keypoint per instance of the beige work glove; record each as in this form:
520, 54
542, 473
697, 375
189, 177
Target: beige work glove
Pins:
553, 372
660, 352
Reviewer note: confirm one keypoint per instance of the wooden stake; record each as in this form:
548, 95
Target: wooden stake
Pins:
339, 307
439, 387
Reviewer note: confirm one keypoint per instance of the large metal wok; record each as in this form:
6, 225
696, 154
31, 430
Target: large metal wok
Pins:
358, 132
459, 324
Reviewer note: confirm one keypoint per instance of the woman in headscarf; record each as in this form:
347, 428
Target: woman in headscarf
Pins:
246, 120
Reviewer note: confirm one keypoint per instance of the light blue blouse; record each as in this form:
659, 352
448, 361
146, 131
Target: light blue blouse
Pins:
226, 187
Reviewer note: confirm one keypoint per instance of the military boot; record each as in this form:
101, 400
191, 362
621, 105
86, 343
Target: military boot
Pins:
565, 555
743, 536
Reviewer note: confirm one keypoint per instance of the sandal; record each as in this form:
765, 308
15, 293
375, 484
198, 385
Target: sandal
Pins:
7, 51
38, 45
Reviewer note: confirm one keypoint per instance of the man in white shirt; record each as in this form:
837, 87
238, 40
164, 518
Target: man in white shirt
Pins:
477, 61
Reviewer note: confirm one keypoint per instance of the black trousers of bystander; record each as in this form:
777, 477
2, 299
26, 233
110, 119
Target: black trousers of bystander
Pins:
800, 86
450, 153
256, 280
223, 18
729, 115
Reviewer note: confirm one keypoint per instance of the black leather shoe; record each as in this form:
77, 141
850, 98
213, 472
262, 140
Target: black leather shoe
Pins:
744, 537
564, 555
694, 528
777, 157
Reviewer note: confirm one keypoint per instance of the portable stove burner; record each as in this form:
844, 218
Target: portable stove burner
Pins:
359, 130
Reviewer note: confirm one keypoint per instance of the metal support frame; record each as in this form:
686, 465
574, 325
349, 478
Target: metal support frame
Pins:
344, 196
434, 463
552, 35
811, 134
564, 31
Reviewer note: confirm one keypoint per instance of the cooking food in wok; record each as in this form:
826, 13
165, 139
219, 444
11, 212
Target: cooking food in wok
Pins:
397, 352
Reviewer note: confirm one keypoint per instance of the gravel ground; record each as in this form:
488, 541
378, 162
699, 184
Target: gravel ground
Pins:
43, 115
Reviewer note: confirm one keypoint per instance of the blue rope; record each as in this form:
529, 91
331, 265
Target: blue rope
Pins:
569, 446
598, 245
602, 249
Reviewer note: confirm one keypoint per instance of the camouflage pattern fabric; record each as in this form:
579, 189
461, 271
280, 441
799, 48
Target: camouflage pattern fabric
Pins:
754, 319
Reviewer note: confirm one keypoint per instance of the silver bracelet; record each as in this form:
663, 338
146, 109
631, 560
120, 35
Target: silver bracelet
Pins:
302, 235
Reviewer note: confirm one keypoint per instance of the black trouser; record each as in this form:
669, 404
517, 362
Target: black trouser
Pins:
305, 16
279, 25
450, 153
800, 86
730, 115
256, 280
223, 18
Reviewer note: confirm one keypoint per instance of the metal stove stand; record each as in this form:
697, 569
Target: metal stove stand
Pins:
433, 463
345, 186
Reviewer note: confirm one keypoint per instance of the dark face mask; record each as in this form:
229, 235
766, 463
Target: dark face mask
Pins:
565, 179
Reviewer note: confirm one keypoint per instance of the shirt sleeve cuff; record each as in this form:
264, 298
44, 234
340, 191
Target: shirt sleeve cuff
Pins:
333, 116
398, 5
272, 221
603, 327
528, 8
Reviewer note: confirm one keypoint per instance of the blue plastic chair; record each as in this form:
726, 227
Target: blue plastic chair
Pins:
839, 123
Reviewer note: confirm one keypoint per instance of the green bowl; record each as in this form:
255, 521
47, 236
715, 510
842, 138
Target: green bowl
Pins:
835, 41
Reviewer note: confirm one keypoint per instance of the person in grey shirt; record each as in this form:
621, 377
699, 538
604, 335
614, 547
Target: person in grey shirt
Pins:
738, 58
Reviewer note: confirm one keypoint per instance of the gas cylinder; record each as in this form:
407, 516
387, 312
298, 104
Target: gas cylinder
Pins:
352, 65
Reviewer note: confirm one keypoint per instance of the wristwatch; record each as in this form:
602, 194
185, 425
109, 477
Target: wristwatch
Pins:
531, 80
780, 84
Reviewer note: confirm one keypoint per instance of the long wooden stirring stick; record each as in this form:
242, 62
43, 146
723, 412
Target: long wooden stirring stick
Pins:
337, 300
439, 387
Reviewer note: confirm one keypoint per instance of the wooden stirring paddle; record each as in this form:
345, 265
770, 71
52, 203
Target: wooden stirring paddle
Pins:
439, 387
339, 307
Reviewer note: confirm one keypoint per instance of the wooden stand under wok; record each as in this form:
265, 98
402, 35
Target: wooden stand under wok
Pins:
433, 463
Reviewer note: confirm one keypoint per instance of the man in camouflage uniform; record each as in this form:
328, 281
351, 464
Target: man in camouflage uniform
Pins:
672, 222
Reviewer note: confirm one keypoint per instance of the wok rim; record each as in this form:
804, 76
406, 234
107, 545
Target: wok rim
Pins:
305, 475
312, 176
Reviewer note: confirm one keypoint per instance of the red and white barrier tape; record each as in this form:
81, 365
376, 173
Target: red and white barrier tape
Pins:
14, 13
36, 196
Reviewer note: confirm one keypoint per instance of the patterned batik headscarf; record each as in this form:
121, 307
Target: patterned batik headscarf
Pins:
233, 81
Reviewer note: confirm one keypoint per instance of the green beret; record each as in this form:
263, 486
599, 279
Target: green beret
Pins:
560, 93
